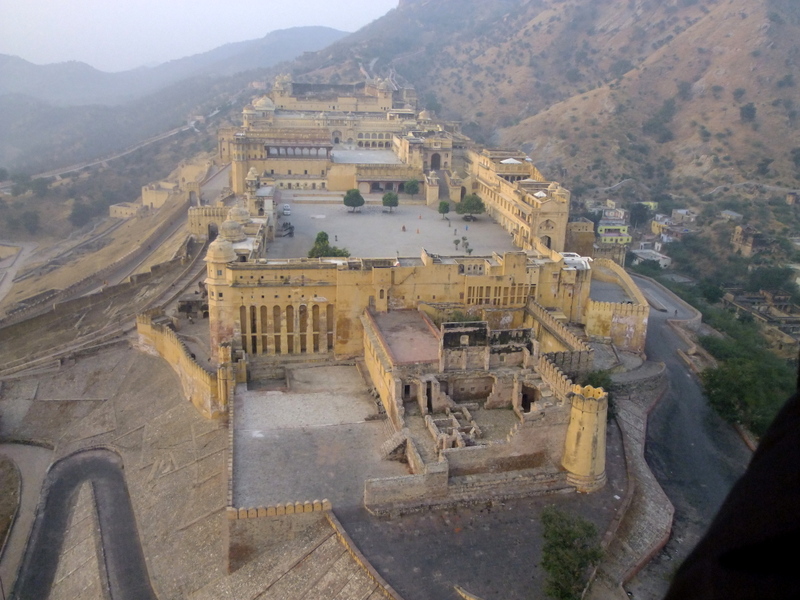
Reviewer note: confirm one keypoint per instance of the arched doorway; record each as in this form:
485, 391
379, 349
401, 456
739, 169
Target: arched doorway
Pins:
436, 162
213, 231
376, 187
463, 192
546, 240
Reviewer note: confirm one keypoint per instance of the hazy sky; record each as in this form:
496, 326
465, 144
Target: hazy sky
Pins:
114, 35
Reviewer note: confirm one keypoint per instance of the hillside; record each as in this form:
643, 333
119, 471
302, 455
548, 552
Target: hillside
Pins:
75, 83
681, 96
47, 129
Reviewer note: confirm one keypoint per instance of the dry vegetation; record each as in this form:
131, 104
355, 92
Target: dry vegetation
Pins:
681, 96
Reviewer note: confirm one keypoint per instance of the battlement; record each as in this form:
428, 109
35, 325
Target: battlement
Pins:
209, 392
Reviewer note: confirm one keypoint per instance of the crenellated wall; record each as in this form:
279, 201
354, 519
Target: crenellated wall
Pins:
209, 392
553, 336
624, 325
573, 363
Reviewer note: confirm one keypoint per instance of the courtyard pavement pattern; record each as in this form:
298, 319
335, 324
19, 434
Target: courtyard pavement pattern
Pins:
310, 442
372, 233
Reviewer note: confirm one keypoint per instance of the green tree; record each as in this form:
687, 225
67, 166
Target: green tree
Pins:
40, 187
470, 205
444, 208
749, 390
684, 90
322, 247
30, 221
640, 214
771, 279
570, 549
748, 113
353, 199
795, 154
456, 241
81, 214
411, 187
390, 200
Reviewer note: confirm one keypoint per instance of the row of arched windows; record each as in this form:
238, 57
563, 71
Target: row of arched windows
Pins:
287, 329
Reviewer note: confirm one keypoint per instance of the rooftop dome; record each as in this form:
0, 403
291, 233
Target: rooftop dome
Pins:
232, 231
264, 103
220, 251
239, 214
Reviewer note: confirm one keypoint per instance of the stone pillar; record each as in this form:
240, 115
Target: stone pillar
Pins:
585, 445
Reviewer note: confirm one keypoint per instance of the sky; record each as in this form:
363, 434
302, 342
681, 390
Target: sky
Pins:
115, 35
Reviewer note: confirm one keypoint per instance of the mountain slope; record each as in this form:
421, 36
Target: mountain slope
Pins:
74, 83
603, 90
45, 130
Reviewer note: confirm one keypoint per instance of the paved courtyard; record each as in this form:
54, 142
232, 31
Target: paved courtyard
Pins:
372, 233
311, 442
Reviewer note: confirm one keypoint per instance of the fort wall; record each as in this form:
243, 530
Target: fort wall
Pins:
200, 387
624, 325
553, 336
609, 271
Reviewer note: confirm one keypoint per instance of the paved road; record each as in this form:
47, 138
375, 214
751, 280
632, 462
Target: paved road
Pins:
32, 462
124, 559
694, 454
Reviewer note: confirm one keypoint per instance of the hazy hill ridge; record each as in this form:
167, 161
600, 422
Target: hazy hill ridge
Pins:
75, 83
56, 115
664, 92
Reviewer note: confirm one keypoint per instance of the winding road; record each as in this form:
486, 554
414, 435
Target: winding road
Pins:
694, 454
122, 551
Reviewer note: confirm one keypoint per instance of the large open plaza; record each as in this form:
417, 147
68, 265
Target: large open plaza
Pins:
373, 232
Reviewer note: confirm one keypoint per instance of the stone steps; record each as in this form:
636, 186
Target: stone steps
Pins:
314, 565
263, 571
392, 446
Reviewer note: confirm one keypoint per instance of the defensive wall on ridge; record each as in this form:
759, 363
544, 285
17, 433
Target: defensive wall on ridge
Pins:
210, 393
36, 307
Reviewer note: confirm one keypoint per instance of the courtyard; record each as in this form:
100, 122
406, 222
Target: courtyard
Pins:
373, 232
317, 438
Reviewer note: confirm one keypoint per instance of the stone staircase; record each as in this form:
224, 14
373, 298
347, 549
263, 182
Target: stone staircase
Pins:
313, 565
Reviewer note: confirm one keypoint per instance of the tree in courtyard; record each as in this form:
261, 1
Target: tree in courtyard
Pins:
391, 200
411, 187
570, 549
353, 199
470, 205
456, 241
444, 208
322, 247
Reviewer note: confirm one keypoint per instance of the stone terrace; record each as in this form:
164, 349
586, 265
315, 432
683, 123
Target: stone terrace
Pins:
317, 440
